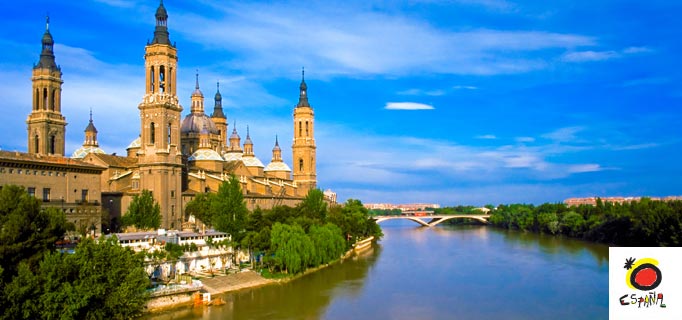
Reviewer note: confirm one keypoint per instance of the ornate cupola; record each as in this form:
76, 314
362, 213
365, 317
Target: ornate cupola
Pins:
218, 107
303, 95
47, 54
248, 144
235, 140
161, 35
220, 120
46, 124
197, 97
90, 145
277, 168
249, 159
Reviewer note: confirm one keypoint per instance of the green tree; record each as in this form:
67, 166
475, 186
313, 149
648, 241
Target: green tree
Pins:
228, 209
293, 249
100, 280
328, 242
314, 206
144, 212
26, 231
200, 208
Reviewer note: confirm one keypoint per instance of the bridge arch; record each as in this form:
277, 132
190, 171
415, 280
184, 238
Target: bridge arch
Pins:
433, 220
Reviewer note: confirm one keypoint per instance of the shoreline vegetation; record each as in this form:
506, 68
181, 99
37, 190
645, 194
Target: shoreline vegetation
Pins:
642, 223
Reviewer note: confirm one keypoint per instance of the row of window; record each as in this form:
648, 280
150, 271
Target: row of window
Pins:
47, 191
32, 172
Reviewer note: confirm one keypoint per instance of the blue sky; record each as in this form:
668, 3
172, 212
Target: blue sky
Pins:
453, 102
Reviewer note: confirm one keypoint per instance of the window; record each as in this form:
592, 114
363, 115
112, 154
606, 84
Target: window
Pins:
300, 164
306, 129
152, 131
31, 191
19, 171
169, 133
52, 99
162, 79
84, 195
44, 99
52, 144
300, 128
172, 193
151, 79
136, 184
35, 143
46, 194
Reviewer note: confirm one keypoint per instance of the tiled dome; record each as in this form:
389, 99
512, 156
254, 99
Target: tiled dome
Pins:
277, 166
205, 154
81, 152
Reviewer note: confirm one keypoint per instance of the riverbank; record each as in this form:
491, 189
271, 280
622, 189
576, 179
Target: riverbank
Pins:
243, 280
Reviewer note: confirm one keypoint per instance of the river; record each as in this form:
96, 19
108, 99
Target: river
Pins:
445, 272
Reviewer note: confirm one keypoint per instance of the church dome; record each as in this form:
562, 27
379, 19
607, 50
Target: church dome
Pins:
277, 166
205, 154
232, 156
81, 152
252, 161
194, 122
135, 144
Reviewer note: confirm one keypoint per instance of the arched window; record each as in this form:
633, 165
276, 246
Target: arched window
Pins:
300, 128
52, 99
36, 143
52, 144
170, 79
36, 105
306, 129
169, 133
151, 79
44, 98
162, 79
300, 164
152, 132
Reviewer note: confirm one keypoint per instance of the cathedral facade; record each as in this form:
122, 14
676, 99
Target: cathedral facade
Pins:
174, 157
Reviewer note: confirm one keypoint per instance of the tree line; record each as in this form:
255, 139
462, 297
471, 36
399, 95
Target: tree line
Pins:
637, 223
285, 239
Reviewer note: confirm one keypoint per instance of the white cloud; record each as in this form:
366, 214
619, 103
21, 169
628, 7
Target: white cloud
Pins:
343, 40
420, 92
585, 56
407, 106
118, 3
524, 139
486, 137
581, 168
567, 134
590, 56
461, 87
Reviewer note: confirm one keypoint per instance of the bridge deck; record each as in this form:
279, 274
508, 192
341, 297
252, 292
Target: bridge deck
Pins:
434, 219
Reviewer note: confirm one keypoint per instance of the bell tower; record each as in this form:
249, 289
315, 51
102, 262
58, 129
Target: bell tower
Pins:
303, 149
160, 159
46, 124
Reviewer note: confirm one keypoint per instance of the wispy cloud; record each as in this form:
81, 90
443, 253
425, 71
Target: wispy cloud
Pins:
487, 137
354, 41
118, 3
407, 106
524, 139
461, 87
420, 92
567, 134
589, 55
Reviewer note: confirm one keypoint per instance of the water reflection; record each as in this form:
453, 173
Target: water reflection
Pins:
445, 272
304, 298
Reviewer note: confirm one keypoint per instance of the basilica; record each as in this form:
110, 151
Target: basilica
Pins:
174, 157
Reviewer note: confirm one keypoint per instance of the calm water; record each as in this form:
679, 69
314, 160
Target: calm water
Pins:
466, 272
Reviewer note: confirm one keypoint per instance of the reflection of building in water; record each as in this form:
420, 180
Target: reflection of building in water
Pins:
175, 158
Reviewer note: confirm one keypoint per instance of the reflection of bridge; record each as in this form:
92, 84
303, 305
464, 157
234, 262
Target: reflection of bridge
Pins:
434, 219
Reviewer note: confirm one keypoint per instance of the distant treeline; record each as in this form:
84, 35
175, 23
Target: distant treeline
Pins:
637, 223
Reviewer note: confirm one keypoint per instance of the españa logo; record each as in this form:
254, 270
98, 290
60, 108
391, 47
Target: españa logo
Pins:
643, 275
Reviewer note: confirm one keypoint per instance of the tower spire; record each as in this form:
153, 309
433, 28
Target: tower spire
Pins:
161, 32
303, 96
197, 83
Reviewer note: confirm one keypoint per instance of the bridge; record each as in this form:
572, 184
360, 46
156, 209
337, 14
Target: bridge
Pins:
433, 220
